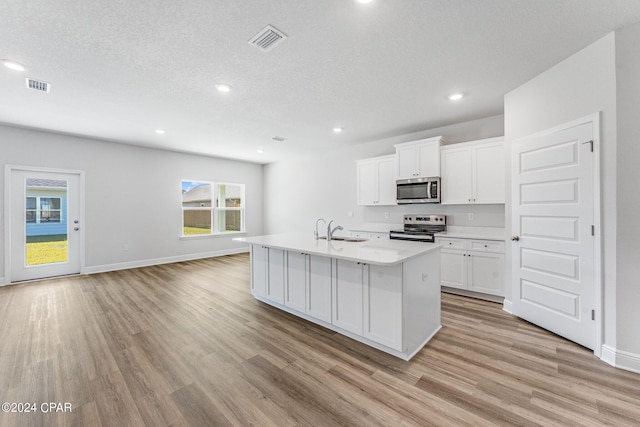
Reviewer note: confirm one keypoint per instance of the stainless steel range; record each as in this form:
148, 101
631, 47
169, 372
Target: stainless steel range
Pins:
420, 228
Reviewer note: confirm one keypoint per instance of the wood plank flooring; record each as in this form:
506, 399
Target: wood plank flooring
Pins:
187, 345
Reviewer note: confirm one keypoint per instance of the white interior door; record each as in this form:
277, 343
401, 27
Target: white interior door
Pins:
553, 244
44, 224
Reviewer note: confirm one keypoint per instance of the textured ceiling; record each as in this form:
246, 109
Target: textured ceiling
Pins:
121, 69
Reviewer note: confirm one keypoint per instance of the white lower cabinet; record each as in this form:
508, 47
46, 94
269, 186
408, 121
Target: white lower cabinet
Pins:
275, 275
473, 265
318, 303
308, 284
259, 270
382, 308
486, 273
295, 292
267, 273
347, 295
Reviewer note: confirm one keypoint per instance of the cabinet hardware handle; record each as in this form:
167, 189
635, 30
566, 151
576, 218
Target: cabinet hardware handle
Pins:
515, 238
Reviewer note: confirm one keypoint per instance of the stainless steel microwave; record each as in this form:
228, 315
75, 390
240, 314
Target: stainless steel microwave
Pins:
418, 190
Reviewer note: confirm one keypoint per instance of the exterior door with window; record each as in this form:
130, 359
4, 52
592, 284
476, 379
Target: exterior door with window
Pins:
44, 224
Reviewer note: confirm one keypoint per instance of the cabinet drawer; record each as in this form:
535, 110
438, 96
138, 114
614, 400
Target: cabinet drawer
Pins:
452, 243
487, 246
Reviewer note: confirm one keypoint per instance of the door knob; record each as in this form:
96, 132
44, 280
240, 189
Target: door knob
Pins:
515, 238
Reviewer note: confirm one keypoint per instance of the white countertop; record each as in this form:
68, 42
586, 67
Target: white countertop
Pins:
380, 252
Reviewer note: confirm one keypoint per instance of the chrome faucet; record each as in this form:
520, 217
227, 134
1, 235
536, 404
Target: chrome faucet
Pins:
315, 233
330, 231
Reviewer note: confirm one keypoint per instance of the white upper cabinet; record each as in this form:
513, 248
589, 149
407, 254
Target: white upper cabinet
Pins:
418, 159
473, 172
376, 181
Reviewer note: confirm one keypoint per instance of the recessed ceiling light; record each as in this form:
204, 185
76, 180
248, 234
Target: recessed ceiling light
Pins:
13, 65
223, 87
456, 96
338, 129
260, 151
363, 1
160, 131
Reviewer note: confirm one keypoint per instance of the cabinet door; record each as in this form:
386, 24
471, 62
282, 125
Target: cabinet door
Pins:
406, 161
383, 305
367, 182
319, 288
296, 281
258, 270
347, 296
489, 178
275, 275
453, 268
456, 180
428, 159
386, 181
485, 273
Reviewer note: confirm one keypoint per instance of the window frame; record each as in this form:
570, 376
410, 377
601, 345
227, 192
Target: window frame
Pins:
214, 209
38, 210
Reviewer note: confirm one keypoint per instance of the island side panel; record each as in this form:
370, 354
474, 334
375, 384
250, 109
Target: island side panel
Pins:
421, 279
258, 270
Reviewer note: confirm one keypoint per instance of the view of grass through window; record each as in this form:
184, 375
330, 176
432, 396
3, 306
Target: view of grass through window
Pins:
46, 249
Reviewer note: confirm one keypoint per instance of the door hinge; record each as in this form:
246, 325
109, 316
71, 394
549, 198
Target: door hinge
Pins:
593, 230
590, 143
593, 315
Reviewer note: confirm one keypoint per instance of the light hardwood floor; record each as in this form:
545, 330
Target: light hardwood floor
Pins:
186, 344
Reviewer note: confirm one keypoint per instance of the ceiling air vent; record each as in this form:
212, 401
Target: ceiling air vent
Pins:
279, 138
38, 85
268, 38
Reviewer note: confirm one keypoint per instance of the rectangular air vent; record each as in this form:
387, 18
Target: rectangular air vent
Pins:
268, 38
38, 85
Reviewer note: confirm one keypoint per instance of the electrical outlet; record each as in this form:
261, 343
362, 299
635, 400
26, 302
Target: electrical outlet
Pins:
386, 215
125, 247
471, 217
350, 214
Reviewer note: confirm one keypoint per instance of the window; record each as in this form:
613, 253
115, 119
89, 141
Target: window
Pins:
41, 210
212, 208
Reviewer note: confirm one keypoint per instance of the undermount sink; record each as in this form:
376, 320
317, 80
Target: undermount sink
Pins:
345, 239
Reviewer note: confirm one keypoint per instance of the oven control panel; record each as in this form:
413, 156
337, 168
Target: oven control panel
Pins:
418, 219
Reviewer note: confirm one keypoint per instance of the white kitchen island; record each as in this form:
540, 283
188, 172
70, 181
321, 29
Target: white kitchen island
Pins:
385, 294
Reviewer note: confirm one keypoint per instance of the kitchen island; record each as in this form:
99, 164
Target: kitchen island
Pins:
385, 294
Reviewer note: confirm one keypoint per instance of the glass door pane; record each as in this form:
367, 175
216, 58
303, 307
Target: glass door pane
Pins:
46, 221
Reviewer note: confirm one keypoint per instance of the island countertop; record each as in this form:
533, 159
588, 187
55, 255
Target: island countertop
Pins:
378, 252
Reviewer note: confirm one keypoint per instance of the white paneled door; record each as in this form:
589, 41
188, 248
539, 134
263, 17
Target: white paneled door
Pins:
553, 243
44, 224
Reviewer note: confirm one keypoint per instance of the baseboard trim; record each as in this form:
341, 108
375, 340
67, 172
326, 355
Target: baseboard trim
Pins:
621, 359
507, 306
2, 282
472, 294
157, 261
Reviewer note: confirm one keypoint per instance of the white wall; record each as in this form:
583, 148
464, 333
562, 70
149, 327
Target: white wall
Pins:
132, 195
298, 192
628, 178
582, 84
